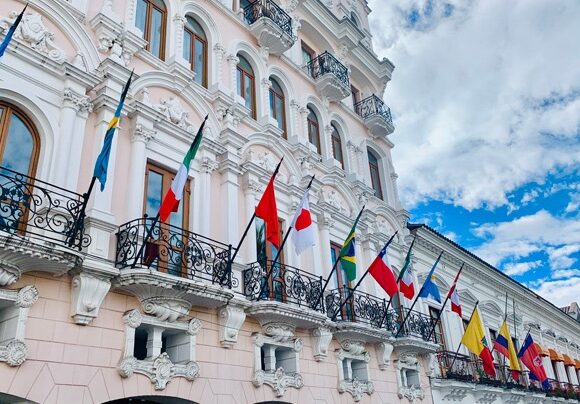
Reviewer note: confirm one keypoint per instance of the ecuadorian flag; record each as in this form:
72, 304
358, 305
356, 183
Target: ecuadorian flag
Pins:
504, 345
347, 254
102, 162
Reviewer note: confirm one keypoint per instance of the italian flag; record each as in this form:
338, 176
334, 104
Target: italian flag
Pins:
175, 193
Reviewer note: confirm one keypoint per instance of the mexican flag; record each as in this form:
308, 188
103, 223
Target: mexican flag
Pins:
175, 193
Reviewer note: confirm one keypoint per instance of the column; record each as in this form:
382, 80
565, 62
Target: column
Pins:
219, 51
176, 46
251, 188
230, 203
233, 61
561, 372
202, 197
304, 123
139, 139
325, 223
154, 342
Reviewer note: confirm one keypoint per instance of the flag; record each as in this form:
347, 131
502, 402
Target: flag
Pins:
268, 212
347, 254
454, 296
505, 345
102, 162
429, 287
304, 235
531, 358
11, 31
381, 271
406, 285
474, 340
175, 194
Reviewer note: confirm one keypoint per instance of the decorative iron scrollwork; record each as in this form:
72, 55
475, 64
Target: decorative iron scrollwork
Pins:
174, 250
37, 209
360, 306
326, 63
373, 105
267, 8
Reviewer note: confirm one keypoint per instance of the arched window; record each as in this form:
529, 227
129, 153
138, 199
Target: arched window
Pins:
375, 174
354, 19
278, 105
19, 141
313, 129
151, 19
337, 146
246, 84
195, 49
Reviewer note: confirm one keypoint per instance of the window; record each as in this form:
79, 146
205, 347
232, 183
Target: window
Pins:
493, 336
246, 84
157, 183
313, 129
354, 19
278, 105
266, 252
375, 174
151, 19
19, 141
355, 96
438, 332
307, 56
195, 49
341, 284
337, 146
353, 371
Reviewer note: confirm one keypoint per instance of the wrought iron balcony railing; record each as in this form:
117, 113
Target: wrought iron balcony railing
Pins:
267, 8
417, 325
286, 284
175, 251
37, 209
373, 105
325, 63
360, 307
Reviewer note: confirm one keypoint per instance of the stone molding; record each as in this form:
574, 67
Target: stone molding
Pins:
279, 380
231, 319
409, 361
88, 290
356, 388
353, 349
384, 351
321, 338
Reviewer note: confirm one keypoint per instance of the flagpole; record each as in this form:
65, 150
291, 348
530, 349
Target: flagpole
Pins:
445, 302
253, 217
361, 279
147, 236
414, 302
460, 343
398, 293
82, 213
335, 265
273, 265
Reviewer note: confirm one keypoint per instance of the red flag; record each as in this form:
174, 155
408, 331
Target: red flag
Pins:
454, 296
383, 274
267, 211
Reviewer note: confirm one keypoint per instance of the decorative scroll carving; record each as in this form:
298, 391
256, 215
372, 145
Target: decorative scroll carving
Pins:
88, 293
356, 388
27, 296
231, 319
279, 380
384, 351
159, 370
14, 353
166, 308
321, 340
174, 112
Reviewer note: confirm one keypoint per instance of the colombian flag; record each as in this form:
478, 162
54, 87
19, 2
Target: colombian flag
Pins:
504, 345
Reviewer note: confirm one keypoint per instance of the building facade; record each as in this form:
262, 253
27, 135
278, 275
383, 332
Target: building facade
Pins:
92, 310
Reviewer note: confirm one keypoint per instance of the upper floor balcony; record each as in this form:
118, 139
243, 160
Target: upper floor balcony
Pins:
271, 25
171, 264
288, 293
41, 227
376, 114
331, 76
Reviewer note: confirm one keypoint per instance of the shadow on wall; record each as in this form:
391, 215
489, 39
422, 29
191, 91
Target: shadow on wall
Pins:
151, 400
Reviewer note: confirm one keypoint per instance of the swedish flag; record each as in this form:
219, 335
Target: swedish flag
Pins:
102, 162
347, 254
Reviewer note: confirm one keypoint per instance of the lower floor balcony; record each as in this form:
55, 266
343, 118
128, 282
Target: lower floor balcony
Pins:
376, 114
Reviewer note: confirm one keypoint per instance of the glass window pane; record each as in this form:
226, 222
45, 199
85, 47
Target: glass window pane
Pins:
272, 102
244, 64
248, 84
187, 46
333, 258
195, 27
239, 82
156, 27
154, 193
279, 113
19, 145
199, 61
141, 15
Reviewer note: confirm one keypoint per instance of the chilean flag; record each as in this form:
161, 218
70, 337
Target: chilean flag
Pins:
383, 274
304, 236
531, 358
406, 285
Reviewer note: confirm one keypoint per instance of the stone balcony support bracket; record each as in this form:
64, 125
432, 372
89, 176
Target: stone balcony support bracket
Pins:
321, 338
231, 319
88, 289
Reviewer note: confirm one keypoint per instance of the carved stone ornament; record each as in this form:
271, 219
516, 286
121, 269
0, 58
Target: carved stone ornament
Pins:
27, 296
193, 326
133, 318
412, 393
333, 199
455, 394
166, 308
231, 319
279, 380
279, 332
79, 102
408, 362
159, 370
486, 397
384, 351
353, 348
9, 273
34, 33
266, 160
14, 353
356, 388
88, 293
321, 338
174, 112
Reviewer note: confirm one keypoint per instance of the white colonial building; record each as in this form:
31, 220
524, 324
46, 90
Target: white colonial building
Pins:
91, 313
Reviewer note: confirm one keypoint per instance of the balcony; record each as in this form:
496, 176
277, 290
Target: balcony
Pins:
271, 26
376, 114
41, 227
360, 307
291, 294
330, 76
173, 266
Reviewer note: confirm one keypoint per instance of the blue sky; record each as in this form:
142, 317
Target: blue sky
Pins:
486, 101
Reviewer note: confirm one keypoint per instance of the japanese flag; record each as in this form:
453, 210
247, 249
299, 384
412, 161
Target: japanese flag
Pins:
303, 236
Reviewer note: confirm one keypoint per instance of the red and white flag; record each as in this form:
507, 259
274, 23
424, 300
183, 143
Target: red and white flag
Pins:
303, 236
454, 296
381, 271
406, 284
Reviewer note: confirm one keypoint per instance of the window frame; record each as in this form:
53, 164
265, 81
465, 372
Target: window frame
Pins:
355, 92
439, 331
312, 124
246, 75
374, 165
273, 113
148, 32
336, 141
193, 36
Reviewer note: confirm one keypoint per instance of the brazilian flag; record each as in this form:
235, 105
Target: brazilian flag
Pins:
347, 254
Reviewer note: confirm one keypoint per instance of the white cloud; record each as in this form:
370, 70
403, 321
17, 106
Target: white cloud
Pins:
560, 292
574, 204
520, 268
469, 94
